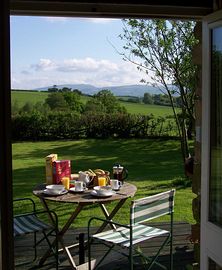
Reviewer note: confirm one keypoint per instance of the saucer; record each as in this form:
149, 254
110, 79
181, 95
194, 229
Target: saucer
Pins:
103, 190
72, 189
49, 192
108, 194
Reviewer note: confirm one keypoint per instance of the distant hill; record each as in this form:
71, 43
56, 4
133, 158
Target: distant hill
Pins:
124, 90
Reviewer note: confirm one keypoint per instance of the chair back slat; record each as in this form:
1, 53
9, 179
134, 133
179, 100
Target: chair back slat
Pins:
152, 207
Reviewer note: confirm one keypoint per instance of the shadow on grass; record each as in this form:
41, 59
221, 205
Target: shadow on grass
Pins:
152, 164
153, 159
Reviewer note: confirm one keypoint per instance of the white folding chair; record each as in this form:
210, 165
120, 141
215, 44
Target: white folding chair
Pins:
126, 236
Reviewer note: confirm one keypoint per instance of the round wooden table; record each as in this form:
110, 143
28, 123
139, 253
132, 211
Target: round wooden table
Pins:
81, 200
126, 191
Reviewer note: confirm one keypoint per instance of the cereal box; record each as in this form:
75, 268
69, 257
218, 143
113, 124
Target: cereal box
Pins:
48, 167
60, 168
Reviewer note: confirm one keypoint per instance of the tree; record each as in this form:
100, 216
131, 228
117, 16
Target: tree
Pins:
94, 106
64, 101
73, 101
164, 100
41, 107
104, 101
53, 89
77, 91
65, 89
163, 50
55, 100
109, 101
147, 98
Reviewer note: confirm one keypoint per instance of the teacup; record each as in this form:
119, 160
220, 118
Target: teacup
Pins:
115, 184
79, 186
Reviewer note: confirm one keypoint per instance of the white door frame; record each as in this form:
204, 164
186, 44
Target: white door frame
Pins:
211, 235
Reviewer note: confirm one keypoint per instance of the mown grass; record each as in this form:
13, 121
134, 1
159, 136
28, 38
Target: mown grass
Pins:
21, 97
154, 166
138, 108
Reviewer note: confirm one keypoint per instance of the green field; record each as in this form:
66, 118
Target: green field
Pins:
137, 108
154, 166
21, 97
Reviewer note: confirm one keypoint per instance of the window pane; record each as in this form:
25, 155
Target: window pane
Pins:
215, 188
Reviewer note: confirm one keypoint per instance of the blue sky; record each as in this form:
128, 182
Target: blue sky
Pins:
47, 51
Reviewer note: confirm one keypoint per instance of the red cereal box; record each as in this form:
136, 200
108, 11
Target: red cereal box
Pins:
60, 168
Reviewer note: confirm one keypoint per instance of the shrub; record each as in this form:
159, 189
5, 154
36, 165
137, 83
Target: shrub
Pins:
69, 125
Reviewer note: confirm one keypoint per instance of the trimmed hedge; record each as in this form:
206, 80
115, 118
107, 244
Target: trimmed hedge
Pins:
61, 125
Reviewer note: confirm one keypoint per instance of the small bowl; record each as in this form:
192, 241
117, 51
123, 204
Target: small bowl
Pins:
103, 190
55, 189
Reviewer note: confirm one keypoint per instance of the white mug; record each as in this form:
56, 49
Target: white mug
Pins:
115, 184
79, 186
84, 177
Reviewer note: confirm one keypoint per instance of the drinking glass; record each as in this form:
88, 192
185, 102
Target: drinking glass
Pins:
101, 181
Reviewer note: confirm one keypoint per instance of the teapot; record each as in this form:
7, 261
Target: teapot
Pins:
119, 172
84, 177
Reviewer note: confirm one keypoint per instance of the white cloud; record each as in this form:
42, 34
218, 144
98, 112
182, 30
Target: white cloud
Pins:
98, 72
86, 65
44, 64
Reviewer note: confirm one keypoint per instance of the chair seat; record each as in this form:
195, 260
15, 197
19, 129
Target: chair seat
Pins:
29, 224
121, 236
141, 210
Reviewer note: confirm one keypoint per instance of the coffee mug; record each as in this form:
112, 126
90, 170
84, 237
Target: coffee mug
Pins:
79, 186
115, 184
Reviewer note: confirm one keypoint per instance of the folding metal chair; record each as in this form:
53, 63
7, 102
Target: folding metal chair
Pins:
126, 236
32, 222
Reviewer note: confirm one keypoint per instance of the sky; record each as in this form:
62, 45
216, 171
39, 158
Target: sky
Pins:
48, 51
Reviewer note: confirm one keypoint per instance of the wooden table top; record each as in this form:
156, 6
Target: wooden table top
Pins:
126, 191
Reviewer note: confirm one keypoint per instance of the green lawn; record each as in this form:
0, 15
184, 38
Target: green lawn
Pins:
135, 108
153, 165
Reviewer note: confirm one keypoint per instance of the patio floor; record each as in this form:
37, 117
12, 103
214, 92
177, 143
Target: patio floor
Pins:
182, 249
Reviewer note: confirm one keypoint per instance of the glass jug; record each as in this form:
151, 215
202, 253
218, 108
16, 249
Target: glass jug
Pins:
119, 172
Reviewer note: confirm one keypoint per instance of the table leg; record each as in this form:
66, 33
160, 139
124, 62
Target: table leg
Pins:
61, 234
106, 214
71, 219
111, 215
45, 206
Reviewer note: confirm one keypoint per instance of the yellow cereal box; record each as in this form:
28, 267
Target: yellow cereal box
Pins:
48, 167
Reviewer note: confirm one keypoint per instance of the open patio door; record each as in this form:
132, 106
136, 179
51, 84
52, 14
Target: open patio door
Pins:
211, 174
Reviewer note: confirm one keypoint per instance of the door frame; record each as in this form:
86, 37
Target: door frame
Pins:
211, 235
6, 258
